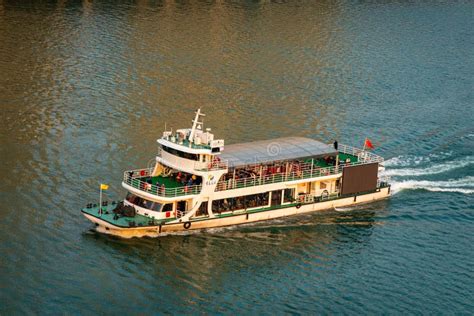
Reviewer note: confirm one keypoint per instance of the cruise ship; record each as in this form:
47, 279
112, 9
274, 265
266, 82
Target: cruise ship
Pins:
198, 183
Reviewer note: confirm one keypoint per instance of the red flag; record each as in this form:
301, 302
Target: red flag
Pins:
368, 144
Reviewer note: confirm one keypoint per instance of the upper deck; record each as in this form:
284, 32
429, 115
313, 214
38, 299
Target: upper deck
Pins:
265, 171
254, 173
190, 160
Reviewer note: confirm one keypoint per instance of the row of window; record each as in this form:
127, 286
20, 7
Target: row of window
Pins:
240, 202
181, 154
222, 205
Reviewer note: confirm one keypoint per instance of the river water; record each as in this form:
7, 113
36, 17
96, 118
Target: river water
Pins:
87, 87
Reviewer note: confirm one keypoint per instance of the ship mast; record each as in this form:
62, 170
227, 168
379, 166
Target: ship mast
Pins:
195, 125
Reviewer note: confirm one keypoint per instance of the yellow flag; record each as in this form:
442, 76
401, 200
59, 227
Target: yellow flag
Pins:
104, 186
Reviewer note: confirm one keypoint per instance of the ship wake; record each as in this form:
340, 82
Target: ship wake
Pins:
408, 173
463, 185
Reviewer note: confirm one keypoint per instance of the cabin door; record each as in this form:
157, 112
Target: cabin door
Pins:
181, 206
202, 211
276, 198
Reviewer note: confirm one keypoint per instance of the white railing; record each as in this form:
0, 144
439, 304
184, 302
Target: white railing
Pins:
362, 155
306, 198
383, 180
185, 142
134, 179
298, 172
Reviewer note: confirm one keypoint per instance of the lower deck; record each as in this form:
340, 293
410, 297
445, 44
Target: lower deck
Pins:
224, 220
109, 216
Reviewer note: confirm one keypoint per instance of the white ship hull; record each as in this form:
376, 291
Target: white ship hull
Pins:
235, 219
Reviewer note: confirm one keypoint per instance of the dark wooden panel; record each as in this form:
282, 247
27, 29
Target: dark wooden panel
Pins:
360, 178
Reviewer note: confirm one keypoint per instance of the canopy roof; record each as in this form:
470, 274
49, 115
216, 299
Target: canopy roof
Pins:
279, 149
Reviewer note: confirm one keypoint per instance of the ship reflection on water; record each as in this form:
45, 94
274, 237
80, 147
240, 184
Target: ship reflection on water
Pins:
212, 253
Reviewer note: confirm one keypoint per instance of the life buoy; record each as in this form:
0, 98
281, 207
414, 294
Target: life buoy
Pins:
187, 225
142, 173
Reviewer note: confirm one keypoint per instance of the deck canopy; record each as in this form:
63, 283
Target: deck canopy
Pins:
279, 149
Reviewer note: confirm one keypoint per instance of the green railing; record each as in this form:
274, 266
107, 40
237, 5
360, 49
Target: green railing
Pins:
134, 179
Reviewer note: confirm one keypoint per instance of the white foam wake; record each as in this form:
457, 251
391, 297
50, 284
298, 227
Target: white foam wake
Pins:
463, 185
405, 161
434, 169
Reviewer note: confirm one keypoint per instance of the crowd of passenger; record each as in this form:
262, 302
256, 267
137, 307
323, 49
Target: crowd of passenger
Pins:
241, 202
265, 173
187, 179
256, 173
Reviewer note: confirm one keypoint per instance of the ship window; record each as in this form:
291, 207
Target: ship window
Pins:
202, 209
167, 207
141, 202
241, 202
154, 206
322, 185
131, 198
148, 204
288, 195
179, 153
